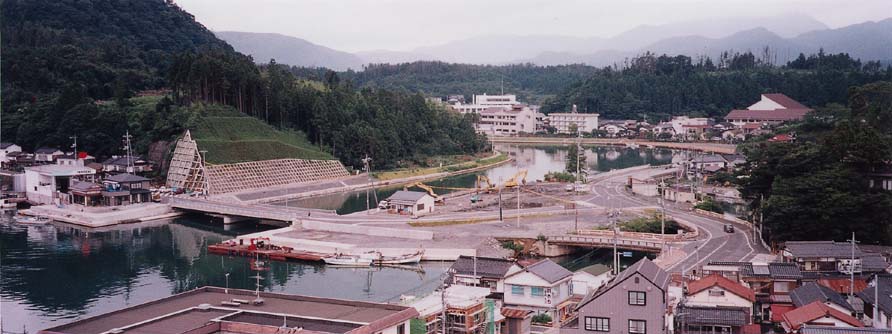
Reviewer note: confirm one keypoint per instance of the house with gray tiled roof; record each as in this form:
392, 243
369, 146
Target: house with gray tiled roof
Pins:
635, 301
831, 257
481, 271
811, 292
878, 303
542, 287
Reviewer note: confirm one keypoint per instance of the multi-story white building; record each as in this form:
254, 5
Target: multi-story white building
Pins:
562, 121
483, 102
506, 121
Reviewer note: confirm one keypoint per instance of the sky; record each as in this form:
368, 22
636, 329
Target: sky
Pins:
402, 25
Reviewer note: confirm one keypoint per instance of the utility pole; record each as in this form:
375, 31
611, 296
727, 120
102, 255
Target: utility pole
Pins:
662, 217
443, 316
365, 162
518, 205
852, 271
500, 205
74, 146
129, 150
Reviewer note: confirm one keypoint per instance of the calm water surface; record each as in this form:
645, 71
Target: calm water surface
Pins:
56, 273
537, 160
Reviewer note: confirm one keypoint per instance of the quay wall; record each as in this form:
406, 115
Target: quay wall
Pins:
367, 230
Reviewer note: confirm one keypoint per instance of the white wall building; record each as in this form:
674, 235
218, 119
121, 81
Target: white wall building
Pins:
44, 184
482, 102
6, 148
682, 125
542, 287
502, 121
589, 279
584, 122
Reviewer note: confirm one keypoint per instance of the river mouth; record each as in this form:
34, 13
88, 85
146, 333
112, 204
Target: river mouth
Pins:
536, 159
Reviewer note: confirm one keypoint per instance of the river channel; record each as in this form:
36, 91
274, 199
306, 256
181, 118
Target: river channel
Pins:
56, 273
537, 160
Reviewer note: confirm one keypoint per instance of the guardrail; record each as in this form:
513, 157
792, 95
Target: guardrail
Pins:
587, 240
636, 235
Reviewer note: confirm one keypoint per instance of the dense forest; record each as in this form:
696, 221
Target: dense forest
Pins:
70, 68
818, 187
657, 87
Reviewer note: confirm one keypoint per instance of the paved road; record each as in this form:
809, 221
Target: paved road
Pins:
717, 245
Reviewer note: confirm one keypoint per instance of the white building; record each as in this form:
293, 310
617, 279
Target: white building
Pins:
482, 102
5, 149
44, 184
47, 154
688, 126
589, 279
770, 109
562, 121
413, 203
542, 287
506, 121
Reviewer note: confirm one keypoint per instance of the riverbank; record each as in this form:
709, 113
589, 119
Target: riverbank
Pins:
693, 146
353, 183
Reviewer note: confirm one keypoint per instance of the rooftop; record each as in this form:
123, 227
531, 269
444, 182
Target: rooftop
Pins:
716, 315
126, 178
816, 310
548, 270
457, 296
595, 269
810, 292
885, 293
408, 196
767, 115
722, 282
811, 329
811, 249
62, 170
644, 267
486, 267
185, 311
785, 101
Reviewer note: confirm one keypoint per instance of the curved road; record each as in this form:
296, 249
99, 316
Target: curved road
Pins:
716, 245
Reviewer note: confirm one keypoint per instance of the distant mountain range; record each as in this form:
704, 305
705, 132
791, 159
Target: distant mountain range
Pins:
289, 50
786, 36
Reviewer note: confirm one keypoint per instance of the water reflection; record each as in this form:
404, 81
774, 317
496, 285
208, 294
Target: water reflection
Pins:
537, 160
56, 273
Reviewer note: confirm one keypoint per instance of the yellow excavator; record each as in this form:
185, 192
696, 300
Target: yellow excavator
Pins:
437, 198
481, 179
518, 179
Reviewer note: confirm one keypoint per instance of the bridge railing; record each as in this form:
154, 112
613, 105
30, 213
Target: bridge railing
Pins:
637, 235
605, 241
230, 209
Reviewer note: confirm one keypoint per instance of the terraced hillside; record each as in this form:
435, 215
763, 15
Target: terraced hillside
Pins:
229, 137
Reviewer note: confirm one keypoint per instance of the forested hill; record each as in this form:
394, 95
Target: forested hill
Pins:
657, 87
61, 58
72, 68
531, 83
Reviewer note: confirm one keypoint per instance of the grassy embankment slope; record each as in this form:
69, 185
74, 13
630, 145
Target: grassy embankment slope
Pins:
230, 137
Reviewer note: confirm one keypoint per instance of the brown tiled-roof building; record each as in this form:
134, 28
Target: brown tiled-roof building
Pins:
770, 109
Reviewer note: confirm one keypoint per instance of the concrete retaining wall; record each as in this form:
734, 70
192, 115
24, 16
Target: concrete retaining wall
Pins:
367, 230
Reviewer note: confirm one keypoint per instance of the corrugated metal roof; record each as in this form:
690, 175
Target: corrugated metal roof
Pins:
808, 249
486, 266
405, 195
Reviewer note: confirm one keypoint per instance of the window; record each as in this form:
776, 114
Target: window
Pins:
597, 324
716, 293
420, 207
537, 291
401, 329
637, 326
637, 298
517, 290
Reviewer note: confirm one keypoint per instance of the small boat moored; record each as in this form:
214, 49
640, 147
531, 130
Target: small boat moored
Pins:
379, 259
22, 219
347, 260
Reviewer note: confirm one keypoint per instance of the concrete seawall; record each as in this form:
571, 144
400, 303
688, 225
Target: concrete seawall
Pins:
366, 230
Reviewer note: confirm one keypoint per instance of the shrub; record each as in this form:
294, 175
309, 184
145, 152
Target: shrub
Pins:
710, 205
541, 318
559, 177
650, 225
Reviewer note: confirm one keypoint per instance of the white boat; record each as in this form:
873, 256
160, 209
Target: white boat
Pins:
379, 259
348, 260
6, 204
632, 145
22, 219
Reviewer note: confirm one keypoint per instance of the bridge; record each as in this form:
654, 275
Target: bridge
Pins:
606, 242
694, 146
233, 212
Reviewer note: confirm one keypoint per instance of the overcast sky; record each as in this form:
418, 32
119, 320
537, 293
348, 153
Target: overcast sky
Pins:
362, 25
